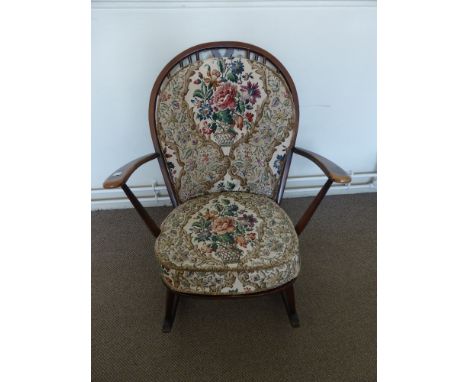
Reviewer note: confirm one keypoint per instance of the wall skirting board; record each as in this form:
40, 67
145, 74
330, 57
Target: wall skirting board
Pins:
296, 187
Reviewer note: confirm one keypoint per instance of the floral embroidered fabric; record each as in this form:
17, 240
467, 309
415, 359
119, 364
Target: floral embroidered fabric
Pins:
227, 243
225, 124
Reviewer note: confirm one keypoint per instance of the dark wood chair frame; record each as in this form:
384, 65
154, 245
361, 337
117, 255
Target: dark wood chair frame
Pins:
119, 178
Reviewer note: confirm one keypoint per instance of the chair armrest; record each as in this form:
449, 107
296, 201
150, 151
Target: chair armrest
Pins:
330, 169
334, 174
120, 176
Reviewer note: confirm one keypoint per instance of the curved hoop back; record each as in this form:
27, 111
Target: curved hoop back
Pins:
200, 60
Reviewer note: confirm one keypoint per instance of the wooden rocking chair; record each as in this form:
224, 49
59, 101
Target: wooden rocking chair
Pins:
224, 118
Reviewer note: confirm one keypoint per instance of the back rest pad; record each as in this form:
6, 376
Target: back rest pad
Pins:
225, 124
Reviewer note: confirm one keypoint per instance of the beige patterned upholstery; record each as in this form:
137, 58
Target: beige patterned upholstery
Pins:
227, 243
225, 124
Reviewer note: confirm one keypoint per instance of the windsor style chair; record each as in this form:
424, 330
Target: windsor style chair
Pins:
224, 118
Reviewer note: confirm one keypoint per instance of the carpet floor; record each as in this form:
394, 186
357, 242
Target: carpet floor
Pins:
239, 340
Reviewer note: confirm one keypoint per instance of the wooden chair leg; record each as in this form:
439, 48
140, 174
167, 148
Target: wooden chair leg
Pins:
290, 304
172, 299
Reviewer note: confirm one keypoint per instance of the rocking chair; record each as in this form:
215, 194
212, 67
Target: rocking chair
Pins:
224, 118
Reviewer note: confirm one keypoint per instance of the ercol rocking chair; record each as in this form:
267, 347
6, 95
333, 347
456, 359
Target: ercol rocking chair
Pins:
224, 118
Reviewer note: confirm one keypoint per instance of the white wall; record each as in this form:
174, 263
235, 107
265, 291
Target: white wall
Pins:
329, 48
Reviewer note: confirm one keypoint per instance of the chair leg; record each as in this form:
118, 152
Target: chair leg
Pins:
172, 299
290, 304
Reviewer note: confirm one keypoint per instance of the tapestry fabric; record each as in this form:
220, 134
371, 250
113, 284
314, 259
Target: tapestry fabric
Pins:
225, 124
227, 243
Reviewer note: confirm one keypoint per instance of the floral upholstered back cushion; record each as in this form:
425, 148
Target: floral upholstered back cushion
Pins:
225, 124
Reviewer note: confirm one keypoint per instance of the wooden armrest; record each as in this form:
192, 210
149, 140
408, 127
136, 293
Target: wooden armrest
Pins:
334, 174
330, 169
119, 177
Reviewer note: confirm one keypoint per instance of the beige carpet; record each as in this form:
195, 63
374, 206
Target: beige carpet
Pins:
240, 340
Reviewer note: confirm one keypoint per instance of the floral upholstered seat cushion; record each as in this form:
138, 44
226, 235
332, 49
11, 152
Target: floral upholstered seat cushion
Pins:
227, 243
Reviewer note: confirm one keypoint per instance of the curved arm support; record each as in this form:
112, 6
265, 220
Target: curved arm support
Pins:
119, 178
332, 171
121, 175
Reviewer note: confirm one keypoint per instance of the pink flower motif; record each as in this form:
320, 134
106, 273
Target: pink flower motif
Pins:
165, 96
206, 130
223, 225
225, 96
252, 91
